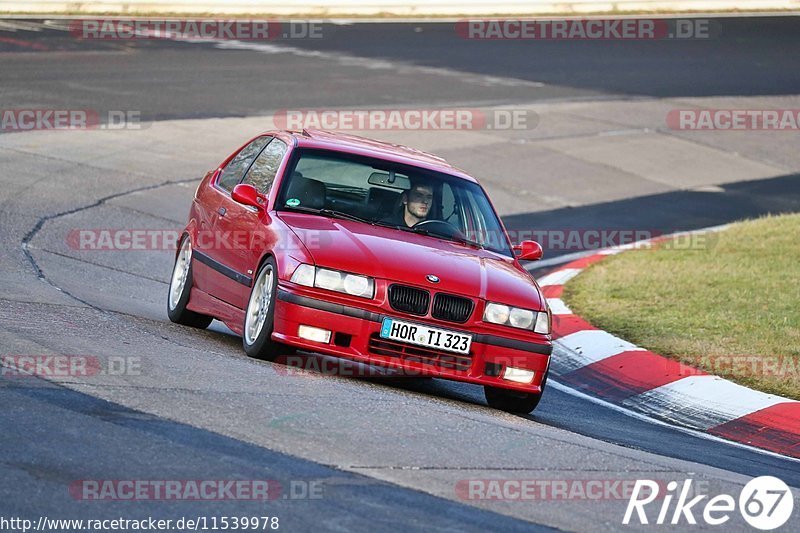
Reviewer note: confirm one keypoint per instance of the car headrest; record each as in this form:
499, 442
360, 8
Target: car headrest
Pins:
383, 201
310, 192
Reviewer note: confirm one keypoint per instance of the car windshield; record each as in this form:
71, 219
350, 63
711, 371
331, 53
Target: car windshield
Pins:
380, 192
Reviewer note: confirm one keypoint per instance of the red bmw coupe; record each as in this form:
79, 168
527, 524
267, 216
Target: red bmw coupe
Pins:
365, 250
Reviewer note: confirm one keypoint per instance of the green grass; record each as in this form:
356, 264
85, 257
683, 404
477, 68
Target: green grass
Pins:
730, 305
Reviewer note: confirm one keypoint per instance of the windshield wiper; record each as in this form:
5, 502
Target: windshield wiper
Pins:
341, 214
470, 242
454, 238
329, 213
385, 224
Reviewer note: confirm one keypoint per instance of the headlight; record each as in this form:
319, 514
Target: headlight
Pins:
517, 318
334, 280
329, 279
358, 285
521, 318
542, 323
496, 313
304, 275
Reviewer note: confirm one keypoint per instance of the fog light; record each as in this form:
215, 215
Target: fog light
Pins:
520, 375
314, 334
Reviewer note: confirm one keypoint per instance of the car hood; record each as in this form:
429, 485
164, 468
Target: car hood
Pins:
409, 258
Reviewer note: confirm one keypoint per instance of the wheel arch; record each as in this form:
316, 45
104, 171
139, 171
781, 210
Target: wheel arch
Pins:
191, 231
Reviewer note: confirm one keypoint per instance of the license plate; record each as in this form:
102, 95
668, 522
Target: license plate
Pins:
440, 339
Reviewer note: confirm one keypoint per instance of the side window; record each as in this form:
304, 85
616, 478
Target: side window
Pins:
233, 172
262, 173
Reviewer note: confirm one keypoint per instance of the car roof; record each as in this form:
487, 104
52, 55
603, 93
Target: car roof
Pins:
354, 144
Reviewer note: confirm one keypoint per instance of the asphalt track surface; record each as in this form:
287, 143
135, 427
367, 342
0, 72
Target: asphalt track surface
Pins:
181, 80
389, 453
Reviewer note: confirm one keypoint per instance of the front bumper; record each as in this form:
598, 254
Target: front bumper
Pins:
354, 331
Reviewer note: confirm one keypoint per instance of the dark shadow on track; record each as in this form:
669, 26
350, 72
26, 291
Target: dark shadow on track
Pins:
64, 436
665, 213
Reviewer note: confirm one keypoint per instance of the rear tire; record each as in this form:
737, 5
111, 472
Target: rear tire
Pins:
260, 315
513, 401
180, 288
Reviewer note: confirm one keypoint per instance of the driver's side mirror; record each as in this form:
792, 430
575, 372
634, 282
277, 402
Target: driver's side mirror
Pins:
528, 251
246, 194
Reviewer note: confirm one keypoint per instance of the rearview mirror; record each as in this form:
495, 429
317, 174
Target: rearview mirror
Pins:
389, 179
246, 194
528, 251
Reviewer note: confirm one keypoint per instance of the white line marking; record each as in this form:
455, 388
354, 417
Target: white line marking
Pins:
396, 67
60, 25
20, 25
702, 402
566, 258
615, 133
644, 418
582, 348
558, 307
559, 277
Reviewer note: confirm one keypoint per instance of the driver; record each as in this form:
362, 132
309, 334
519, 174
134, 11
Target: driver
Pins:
416, 205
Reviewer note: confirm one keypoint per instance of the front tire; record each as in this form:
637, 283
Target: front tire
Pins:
180, 288
260, 315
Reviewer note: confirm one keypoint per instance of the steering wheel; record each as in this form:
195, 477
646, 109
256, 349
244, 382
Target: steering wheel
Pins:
441, 227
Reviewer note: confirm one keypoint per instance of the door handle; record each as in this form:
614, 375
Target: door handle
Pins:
222, 211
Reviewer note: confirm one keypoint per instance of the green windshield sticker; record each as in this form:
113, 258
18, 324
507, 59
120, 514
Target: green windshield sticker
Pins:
292, 202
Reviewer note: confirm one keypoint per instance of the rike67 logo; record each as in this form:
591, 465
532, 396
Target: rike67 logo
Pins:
765, 503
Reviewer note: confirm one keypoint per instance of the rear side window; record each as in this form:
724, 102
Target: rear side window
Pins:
233, 172
262, 172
